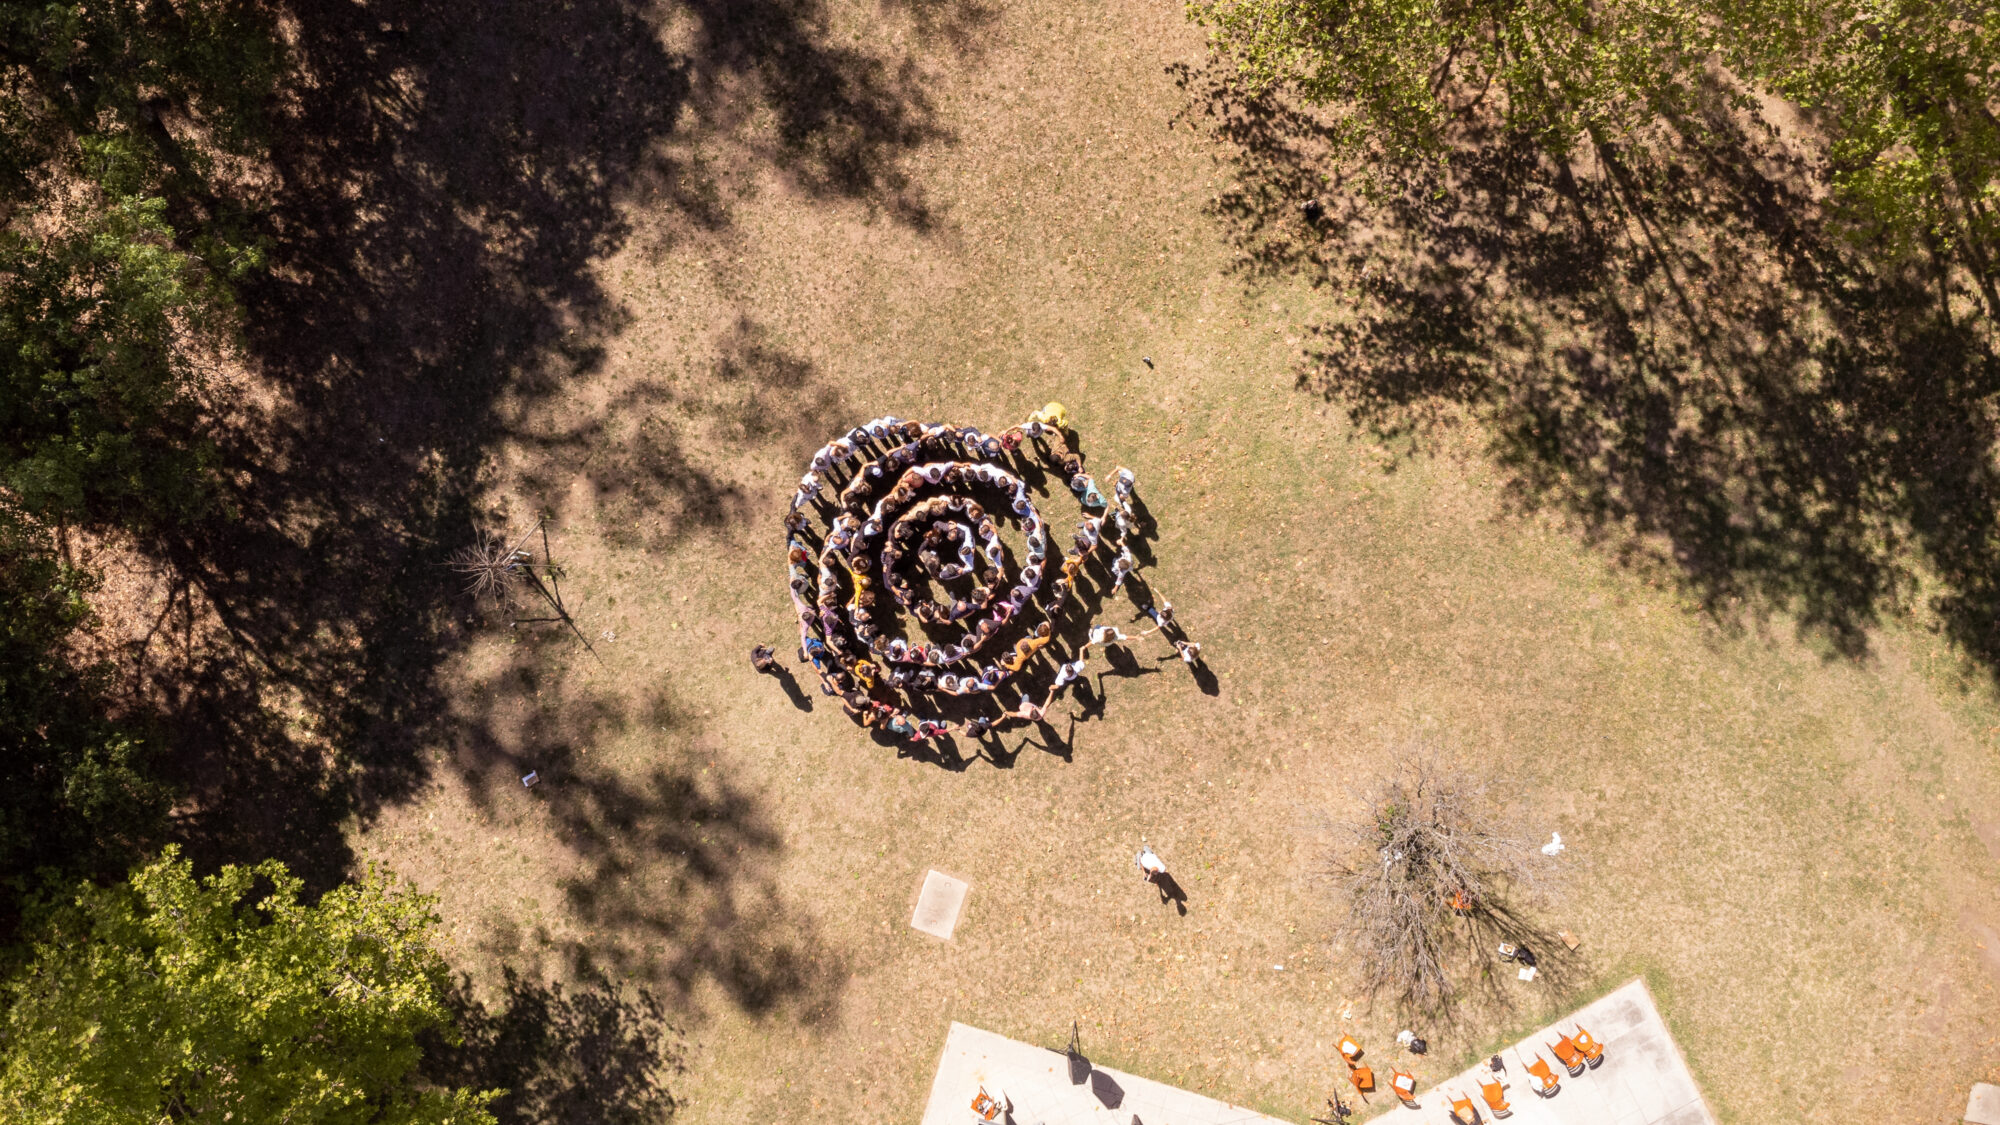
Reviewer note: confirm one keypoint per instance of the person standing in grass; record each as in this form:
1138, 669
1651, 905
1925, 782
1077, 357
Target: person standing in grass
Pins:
1151, 866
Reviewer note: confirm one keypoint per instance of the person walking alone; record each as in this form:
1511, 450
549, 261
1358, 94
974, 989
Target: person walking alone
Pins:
1151, 866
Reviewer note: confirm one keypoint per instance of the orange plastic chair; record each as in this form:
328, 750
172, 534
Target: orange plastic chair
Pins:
1349, 1049
1593, 1051
985, 1106
1566, 1052
1362, 1077
1405, 1085
1540, 1069
1463, 1112
1494, 1093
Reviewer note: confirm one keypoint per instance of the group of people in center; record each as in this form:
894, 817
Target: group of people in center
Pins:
893, 492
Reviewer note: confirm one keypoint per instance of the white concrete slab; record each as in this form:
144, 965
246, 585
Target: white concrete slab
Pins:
938, 905
1983, 1107
1642, 1081
1036, 1081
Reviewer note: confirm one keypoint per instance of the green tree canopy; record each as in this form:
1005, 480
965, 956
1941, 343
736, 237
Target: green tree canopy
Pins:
74, 792
130, 138
1900, 92
228, 998
105, 326
159, 74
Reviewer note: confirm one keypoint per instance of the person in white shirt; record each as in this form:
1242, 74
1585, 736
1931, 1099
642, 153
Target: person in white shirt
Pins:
1151, 866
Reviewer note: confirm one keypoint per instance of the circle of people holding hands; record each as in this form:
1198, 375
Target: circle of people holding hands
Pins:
895, 493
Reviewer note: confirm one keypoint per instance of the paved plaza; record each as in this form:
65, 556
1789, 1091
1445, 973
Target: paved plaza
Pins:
1983, 1106
1642, 1081
1038, 1083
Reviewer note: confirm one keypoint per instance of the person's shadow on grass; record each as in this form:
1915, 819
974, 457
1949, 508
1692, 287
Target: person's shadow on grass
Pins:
1093, 703
1204, 676
1170, 890
1052, 742
790, 683
1123, 665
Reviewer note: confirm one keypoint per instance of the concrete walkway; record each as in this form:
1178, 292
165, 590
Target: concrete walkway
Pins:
1037, 1081
1642, 1081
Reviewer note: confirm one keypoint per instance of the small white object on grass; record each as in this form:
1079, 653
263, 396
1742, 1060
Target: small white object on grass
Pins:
1405, 1036
1554, 846
529, 779
1527, 973
939, 902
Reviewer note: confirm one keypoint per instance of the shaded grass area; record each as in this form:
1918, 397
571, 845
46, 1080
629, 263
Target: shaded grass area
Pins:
444, 184
565, 1056
447, 186
1671, 343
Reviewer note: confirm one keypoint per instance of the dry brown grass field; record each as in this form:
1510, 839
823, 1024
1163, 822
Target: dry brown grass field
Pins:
1799, 849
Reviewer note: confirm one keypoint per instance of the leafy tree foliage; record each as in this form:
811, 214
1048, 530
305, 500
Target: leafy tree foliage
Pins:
128, 132
228, 998
1900, 90
1905, 90
104, 328
155, 76
74, 790
125, 131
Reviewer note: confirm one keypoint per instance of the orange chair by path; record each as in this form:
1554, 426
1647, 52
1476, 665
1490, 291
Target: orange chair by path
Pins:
1549, 1082
1362, 1077
1350, 1049
1593, 1051
1463, 1112
1495, 1095
1405, 1085
1568, 1055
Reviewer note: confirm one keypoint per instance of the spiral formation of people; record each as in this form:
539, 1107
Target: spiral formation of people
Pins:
895, 496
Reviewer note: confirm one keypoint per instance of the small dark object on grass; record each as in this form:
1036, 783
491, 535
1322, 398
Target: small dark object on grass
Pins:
1313, 210
762, 659
1147, 360
1340, 1111
1419, 1046
1525, 956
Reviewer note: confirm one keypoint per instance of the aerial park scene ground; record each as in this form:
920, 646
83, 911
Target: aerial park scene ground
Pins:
809, 560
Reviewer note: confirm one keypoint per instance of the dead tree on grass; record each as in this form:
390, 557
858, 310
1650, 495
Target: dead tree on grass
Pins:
1430, 873
495, 568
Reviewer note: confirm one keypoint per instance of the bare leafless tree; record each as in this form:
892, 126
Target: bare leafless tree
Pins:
1431, 874
495, 567
492, 565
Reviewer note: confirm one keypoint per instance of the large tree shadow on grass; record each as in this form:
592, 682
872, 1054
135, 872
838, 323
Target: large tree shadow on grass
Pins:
672, 875
1675, 345
584, 1055
444, 183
